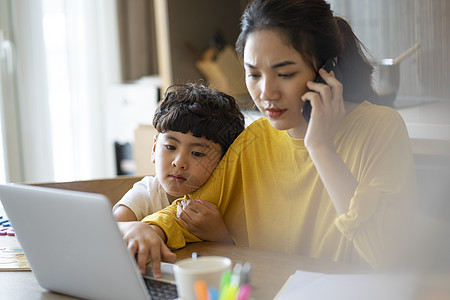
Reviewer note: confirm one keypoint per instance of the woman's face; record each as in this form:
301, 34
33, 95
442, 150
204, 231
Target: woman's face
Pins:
276, 77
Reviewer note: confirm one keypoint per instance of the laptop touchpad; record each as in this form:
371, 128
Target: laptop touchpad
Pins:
166, 272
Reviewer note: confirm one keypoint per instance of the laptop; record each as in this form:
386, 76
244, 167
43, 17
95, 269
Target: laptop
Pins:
74, 246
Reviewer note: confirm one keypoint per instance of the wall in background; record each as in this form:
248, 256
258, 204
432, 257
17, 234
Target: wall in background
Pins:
184, 31
137, 34
387, 28
165, 37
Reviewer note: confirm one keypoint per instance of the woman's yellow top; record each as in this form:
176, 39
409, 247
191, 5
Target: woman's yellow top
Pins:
271, 196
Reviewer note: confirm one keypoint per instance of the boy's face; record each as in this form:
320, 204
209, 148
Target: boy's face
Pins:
183, 162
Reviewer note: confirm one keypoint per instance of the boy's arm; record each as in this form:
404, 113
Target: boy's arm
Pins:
124, 214
175, 232
150, 239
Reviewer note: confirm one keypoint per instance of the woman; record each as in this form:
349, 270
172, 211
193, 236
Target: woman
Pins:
335, 187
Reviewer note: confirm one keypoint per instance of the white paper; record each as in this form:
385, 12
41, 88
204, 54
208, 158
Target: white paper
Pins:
309, 285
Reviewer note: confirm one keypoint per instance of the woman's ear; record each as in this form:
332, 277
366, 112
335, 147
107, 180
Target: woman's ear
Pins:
155, 138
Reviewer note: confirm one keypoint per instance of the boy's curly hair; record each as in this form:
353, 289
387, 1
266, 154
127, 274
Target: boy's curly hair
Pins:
204, 112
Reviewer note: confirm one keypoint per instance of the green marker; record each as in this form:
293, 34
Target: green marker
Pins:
224, 284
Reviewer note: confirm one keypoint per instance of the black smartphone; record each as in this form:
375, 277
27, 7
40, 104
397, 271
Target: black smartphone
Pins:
329, 65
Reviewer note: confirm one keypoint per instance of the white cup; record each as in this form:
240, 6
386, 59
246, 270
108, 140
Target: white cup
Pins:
207, 268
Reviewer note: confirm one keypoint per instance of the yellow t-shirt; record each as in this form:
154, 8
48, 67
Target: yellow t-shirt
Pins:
271, 196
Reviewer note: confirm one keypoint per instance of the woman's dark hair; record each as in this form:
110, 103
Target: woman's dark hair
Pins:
310, 27
197, 109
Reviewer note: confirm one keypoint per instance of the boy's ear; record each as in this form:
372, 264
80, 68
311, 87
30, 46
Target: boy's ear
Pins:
154, 147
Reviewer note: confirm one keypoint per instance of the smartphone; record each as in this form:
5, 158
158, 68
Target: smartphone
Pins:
329, 65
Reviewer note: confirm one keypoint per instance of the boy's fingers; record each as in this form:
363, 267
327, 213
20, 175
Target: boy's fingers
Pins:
163, 252
156, 263
132, 247
168, 255
142, 260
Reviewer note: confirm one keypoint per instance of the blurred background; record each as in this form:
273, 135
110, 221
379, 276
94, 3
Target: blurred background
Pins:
78, 78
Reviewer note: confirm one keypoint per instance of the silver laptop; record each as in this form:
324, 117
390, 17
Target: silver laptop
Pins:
74, 247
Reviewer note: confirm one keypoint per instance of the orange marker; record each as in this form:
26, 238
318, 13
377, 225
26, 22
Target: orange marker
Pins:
201, 290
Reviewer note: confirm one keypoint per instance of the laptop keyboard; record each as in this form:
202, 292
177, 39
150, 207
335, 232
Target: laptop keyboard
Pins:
160, 290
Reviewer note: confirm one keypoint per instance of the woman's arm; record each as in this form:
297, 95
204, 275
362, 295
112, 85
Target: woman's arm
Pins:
327, 113
370, 180
336, 177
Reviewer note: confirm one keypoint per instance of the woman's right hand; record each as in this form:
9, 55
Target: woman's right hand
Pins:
327, 111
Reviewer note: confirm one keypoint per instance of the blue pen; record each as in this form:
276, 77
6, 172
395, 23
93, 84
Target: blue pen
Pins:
213, 293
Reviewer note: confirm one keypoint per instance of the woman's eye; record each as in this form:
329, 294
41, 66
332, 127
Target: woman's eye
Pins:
198, 154
288, 75
169, 147
253, 75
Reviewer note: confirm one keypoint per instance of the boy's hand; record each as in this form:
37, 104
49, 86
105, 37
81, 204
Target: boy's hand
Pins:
146, 243
204, 220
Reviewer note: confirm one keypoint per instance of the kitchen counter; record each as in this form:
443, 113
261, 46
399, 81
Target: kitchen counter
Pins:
428, 126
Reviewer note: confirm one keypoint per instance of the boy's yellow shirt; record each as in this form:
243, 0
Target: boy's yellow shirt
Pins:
271, 196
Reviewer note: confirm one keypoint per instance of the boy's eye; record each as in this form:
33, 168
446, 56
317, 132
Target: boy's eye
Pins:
198, 154
169, 147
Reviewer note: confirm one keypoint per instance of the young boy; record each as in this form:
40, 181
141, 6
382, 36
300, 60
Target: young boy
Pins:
195, 125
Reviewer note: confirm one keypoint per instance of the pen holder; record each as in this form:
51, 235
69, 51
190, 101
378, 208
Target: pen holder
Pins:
205, 268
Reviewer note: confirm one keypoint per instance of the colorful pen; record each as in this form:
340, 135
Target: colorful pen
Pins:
245, 274
224, 284
244, 292
213, 293
201, 290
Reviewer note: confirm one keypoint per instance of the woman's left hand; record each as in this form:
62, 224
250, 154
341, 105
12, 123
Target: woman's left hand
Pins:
204, 220
327, 111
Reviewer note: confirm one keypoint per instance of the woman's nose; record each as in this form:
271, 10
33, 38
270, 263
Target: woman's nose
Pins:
269, 90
